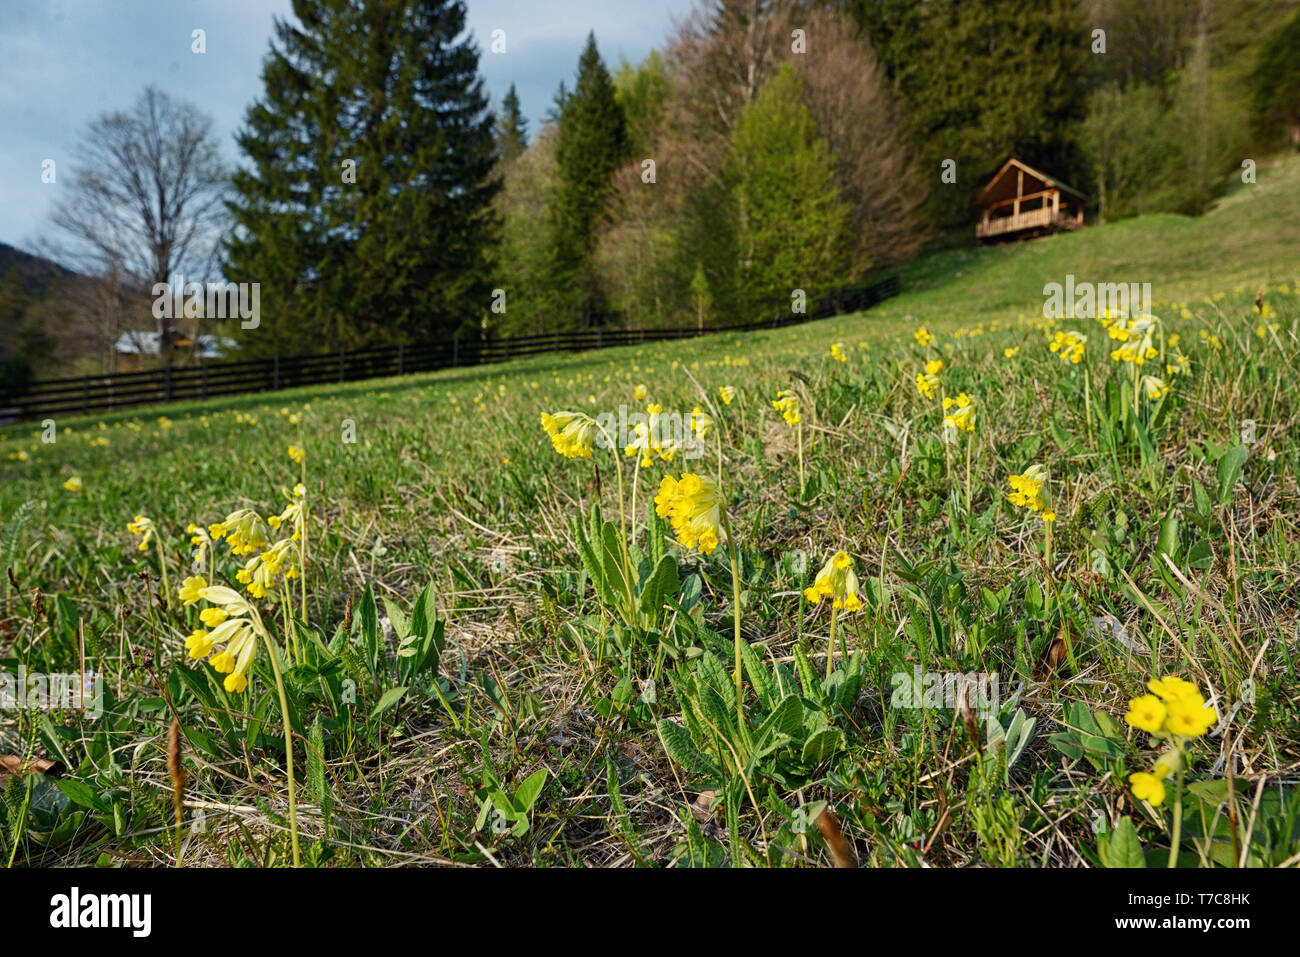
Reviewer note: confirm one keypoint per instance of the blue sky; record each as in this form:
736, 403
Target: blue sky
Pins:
63, 62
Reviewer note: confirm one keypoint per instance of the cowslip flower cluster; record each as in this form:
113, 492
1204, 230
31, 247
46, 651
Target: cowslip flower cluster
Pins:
923, 336
1135, 338
235, 627
143, 527
1154, 388
837, 352
202, 541
837, 582
693, 504
1027, 488
1174, 711
1069, 346
572, 433
651, 439
727, 393
258, 574
243, 530
959, 416
928, 382
787, 403
701, 422
297, 453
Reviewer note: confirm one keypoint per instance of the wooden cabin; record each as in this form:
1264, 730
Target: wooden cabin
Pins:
1020, 202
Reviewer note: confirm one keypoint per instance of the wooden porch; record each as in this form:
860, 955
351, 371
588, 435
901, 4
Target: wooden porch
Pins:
1020, 202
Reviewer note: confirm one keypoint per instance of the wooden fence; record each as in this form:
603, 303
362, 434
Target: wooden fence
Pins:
86, 394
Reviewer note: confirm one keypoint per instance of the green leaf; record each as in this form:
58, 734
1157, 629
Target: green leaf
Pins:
1229, 470
1124, 849
387, 700
823, 745
529, 790
316, 778
679, 747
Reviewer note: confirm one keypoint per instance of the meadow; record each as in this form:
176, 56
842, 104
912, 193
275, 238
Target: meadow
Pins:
953, 585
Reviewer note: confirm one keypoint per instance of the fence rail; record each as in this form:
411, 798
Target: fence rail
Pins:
87, 394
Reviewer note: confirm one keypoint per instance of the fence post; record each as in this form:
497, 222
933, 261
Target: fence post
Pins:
167, 383
85, 396
400, 347
455, 349
342, 361
205, 380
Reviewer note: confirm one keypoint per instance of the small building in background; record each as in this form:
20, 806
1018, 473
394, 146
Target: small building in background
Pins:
133, 349
1021, 202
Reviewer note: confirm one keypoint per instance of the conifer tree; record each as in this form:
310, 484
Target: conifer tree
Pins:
512, 128
364, 207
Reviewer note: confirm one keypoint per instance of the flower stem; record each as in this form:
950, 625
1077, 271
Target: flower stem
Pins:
162, 565
830, 648
735, 604
288, 747
1178, 818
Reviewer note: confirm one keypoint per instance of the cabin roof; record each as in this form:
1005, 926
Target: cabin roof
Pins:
1003, 186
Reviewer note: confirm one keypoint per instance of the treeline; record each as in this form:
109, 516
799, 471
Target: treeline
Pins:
768, 151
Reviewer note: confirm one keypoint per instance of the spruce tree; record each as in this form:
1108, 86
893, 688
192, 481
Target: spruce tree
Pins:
511, 132
592, 143
365, 206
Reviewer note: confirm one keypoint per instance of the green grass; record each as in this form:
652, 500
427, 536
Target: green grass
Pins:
452, 484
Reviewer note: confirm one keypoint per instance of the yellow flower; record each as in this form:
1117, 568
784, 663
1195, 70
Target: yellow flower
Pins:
298, 454
73, 484
1147, 713
572, 433
199, 643
837, 352
1069, 345
243, 529
639, 393
1153, 387
144, 528
1147, 787
199, 536
1049, 516
701, 422
1027, 488
1011, 351
192, 589
836, 581
213, 616
923, 336
727, 393
961, 413
694, 507
787, 403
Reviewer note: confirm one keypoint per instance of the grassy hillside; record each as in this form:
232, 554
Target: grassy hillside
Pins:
557, 721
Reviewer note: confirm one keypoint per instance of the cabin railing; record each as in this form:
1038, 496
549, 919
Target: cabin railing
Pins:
1032, 219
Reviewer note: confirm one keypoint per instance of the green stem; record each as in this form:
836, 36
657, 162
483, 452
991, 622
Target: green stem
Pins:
735, 603
1178, 817
830, 648
162, 565
288, 746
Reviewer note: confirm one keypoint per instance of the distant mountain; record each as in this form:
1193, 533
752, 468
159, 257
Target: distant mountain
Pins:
36, 273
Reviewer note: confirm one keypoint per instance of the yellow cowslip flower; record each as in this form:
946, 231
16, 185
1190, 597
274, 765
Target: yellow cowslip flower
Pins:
923, 336
213, 616
701, 422
1147, 712
1177, 364
1171, 688
1069, 346
572, 433
294, 513
74, 484
639, 393
1027, 488
727, 393
192, 589
199, 536
199, 643
238, 632
928, 382
1049, 516
837, 352
1147, 787
1190, 720
1010, 352
243, 529
1154, 388
960, 413
787, 403
836, 581
298, 454
260, 571
144, 528
693, 505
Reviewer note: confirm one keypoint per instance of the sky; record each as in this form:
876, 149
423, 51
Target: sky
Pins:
64, 62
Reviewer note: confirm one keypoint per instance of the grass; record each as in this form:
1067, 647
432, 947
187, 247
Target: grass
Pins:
460, 689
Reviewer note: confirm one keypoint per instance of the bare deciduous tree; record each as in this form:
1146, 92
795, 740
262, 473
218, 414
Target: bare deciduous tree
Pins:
145, 198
